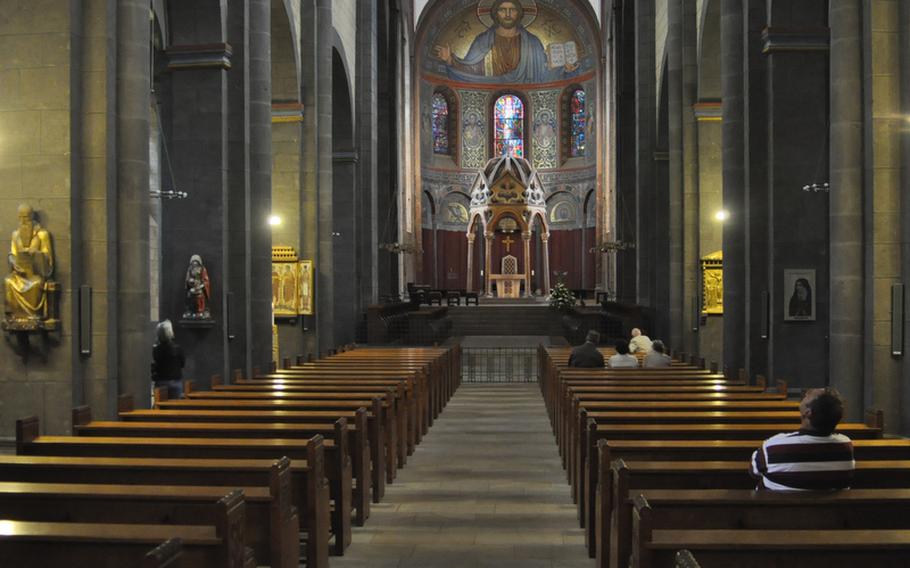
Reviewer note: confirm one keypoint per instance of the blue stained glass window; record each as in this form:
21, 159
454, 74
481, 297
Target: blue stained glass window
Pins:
508, 127
578, 121
440, 124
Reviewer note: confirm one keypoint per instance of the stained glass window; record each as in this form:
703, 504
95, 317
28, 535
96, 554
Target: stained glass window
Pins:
508, 127
440, 124
578, 120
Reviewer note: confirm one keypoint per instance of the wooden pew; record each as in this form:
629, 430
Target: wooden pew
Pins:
779, 548
375, 462
347, 447
386, 417
308, 487
270, 525
748, 509
52, 545
590, 466
419, 403
29, 442
393, 393
166, 555
629, 477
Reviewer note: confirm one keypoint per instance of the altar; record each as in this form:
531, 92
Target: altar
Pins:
508, 285
507, 198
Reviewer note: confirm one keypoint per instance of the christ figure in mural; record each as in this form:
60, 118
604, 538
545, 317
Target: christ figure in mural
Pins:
517, 55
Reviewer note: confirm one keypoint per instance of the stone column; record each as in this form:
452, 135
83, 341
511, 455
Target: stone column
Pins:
731, 40
325, 285
904, 29
846, 203
260, 89
470, 273
544, 241
488, 254
691, 184
309, 159
674, 88
366, 102
526, 239
645, 144
131, 350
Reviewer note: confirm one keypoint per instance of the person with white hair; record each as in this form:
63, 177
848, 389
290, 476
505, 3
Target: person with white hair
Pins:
639, 342
168, 361
657, 357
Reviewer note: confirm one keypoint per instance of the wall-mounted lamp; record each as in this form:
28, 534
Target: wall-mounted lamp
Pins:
274, 220
721, 215
816, 187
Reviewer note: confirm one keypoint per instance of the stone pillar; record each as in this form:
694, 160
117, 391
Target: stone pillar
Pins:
674, 88
691, 185
488, 254
797, 221
645, 144
132, 348
526, 240
731, 39
470, 273
366, 105
544, 241
260, 204
309, 159
904, 422
325, 298
882, 52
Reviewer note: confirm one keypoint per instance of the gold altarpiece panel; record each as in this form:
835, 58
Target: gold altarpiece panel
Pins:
292, 283
712, 277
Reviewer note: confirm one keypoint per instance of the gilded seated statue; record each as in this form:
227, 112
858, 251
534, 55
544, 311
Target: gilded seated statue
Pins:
29, 292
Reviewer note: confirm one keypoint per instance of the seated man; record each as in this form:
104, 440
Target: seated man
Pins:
586, 354
657, 357
814, 458
622, 359
639, 342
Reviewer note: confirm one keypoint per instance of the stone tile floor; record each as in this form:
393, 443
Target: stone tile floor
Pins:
484, 488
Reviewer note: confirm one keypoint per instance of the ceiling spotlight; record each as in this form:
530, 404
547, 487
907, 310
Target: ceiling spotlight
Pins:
274, 220
722, 215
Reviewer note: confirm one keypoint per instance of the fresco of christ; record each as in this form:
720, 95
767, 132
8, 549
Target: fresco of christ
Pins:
517, 55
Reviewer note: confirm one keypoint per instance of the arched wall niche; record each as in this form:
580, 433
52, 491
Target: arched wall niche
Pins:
537, 79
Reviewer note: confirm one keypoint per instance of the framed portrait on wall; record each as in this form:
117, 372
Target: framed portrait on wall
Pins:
305, 287
799, 294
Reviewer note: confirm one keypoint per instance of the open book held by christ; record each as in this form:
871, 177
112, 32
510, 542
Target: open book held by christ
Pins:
562, 54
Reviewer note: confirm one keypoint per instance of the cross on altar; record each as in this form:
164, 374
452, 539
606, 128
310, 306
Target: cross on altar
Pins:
508, 242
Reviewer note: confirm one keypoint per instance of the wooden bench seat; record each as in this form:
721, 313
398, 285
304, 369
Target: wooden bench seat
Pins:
347, 446
53, 545
309, 488
338, 471
411, 408
394, 448
422, 405
270, 525
587, 464
780, 548
660, 509
374, 435
613, 545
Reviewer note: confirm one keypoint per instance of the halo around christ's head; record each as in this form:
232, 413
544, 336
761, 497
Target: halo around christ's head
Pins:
485, 7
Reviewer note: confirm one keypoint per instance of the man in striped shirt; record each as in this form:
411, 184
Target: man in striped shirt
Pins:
814, 458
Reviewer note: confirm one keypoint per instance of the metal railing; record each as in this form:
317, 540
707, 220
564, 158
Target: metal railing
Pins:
499, 364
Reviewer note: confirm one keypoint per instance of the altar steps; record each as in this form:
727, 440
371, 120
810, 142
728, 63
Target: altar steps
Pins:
505, 320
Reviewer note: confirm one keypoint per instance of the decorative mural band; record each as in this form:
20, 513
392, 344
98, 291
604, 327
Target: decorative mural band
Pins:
545, 129
473, 129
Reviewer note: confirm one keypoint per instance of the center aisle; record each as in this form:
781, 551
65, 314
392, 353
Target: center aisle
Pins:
484, 488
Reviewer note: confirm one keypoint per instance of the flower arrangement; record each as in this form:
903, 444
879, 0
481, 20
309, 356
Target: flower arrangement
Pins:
561, 298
